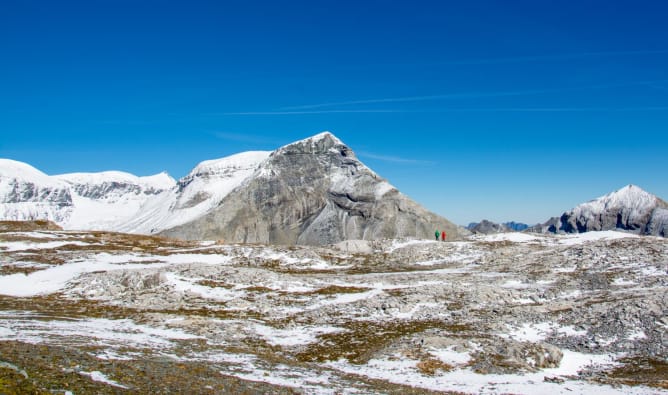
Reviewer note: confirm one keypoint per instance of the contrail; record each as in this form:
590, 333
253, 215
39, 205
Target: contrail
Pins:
468, 95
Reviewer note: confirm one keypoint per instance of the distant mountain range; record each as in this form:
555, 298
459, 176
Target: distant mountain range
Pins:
629, 209
314, 191
486, 227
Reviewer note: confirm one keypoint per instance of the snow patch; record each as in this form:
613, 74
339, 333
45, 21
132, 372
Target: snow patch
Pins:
404, 372
297, 336
102, 378
581, 238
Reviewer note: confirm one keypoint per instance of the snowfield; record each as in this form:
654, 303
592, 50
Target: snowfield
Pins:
505, 313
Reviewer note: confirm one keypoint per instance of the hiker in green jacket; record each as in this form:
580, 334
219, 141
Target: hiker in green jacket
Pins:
437, 233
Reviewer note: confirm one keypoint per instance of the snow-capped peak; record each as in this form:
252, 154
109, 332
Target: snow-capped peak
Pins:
22, 171
323, 136
244, 160
160, 181
630, 197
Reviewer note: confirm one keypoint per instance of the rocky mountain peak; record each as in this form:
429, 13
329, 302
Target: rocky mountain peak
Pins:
313, 191
321, 143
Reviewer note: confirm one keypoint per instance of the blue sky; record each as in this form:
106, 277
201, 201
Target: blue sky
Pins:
505, 110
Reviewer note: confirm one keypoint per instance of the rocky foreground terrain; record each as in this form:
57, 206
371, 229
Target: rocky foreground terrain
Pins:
100, 312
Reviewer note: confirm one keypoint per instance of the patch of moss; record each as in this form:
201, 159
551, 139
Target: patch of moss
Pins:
430, 366
337, 289
14, 383
641, 371
363, 339
26, 226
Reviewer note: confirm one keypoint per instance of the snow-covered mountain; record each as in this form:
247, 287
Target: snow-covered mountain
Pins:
107, 199
313, 191
630, 208
27, 194
119, 201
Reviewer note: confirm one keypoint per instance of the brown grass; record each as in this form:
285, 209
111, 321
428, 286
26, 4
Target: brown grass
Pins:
430, 366
26, 226
362, 339
641, 371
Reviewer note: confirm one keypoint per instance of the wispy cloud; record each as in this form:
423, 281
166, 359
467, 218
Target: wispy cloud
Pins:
464, 95
394, 159
311, 112
455, 110
549, 57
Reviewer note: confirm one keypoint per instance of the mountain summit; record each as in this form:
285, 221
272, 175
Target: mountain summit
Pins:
630, 208
313, 191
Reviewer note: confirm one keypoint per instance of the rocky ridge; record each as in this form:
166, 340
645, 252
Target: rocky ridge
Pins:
487, 227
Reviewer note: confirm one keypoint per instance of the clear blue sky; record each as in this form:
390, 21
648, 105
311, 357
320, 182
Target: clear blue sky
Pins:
505, 110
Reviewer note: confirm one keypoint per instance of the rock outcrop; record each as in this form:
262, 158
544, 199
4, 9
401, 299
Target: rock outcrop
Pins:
314, 192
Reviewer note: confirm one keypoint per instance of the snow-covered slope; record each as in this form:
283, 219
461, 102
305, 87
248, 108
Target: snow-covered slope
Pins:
119, 201
26, 194
109, 199
195, 194
630, 208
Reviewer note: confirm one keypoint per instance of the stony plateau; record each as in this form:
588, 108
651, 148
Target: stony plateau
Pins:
100, 312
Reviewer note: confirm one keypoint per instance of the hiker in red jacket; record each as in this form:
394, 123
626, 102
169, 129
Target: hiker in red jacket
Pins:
443, 236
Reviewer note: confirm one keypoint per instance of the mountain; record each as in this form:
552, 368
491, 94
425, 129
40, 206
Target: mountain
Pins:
28, 194
516, 226
488, 227
195, 194
630, 209
314, 191
105, 200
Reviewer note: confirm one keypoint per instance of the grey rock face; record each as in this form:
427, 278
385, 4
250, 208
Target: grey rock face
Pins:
25, 191
630, 209
112, 189
314, 192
